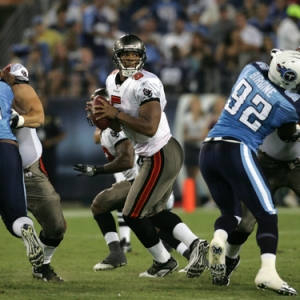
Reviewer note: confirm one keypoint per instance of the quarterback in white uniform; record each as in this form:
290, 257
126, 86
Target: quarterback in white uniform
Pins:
138, 101
119, 152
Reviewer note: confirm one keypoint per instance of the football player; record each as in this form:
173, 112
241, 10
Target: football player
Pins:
280, 161
42, 199
13, 208
263, 99
138, 101
121, 156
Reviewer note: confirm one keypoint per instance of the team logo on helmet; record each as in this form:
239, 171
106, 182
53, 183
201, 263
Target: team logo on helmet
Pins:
286, 74
147, 93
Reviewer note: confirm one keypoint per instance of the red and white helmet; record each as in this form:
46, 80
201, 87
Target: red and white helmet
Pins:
19, 71
285, 69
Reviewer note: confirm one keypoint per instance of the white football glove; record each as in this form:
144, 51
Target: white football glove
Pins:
16, 120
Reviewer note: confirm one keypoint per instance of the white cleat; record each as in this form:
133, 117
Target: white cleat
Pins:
267, 279
198, 261
216, 259
102, 266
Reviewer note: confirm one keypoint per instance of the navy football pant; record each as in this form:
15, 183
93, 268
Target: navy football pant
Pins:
233, 174
12, 192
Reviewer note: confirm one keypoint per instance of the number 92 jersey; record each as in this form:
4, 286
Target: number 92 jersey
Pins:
256, 107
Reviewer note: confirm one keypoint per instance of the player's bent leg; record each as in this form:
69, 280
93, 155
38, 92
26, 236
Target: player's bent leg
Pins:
23, 227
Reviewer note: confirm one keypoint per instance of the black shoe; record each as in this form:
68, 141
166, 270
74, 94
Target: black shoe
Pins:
126, 246
231, 265
161, 269
46, 273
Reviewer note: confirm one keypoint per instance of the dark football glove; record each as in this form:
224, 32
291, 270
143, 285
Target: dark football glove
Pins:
88, 170
292, 138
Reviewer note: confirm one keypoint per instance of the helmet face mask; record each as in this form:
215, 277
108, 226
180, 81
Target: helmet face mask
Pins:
129, 43
285, 69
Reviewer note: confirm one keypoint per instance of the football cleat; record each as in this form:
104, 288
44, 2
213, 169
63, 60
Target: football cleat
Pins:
46, 273
161, 269
115, 259
125, 246
269, 280
231, 266
198, 261
216, 259
34, 249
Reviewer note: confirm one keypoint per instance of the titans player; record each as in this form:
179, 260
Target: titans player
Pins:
12, 192
263, 98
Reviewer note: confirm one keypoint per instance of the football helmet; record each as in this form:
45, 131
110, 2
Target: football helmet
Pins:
19, 71
285, 69
129, 42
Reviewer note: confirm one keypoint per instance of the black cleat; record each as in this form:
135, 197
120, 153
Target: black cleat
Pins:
161, 269
46, 273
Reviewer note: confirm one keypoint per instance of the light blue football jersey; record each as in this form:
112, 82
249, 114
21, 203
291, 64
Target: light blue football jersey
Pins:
256, 107
6, 98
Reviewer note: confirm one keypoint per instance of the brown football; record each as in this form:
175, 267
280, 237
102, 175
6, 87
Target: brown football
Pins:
102, 123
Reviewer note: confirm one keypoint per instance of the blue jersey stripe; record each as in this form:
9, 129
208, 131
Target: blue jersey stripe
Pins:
257, 181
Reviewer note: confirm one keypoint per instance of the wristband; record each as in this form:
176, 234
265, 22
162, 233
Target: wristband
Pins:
99, 170
117, 114
20, 122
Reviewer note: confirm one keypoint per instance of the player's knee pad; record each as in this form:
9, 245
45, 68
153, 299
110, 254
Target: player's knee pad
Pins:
56, 231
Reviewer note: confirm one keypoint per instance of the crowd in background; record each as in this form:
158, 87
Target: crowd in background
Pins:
194, 46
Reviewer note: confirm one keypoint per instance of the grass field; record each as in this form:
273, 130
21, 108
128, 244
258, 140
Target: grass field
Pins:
84, 246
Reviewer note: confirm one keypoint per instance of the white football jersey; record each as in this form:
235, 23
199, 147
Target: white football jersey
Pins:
109, 139
280, 150
129, 96
30, 146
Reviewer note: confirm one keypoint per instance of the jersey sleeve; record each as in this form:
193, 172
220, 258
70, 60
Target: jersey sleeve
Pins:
149, 89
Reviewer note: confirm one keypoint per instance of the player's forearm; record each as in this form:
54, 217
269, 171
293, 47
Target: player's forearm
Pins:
138, 124
119, 165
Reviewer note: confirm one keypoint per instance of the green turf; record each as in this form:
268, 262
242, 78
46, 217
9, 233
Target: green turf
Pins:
84, 246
